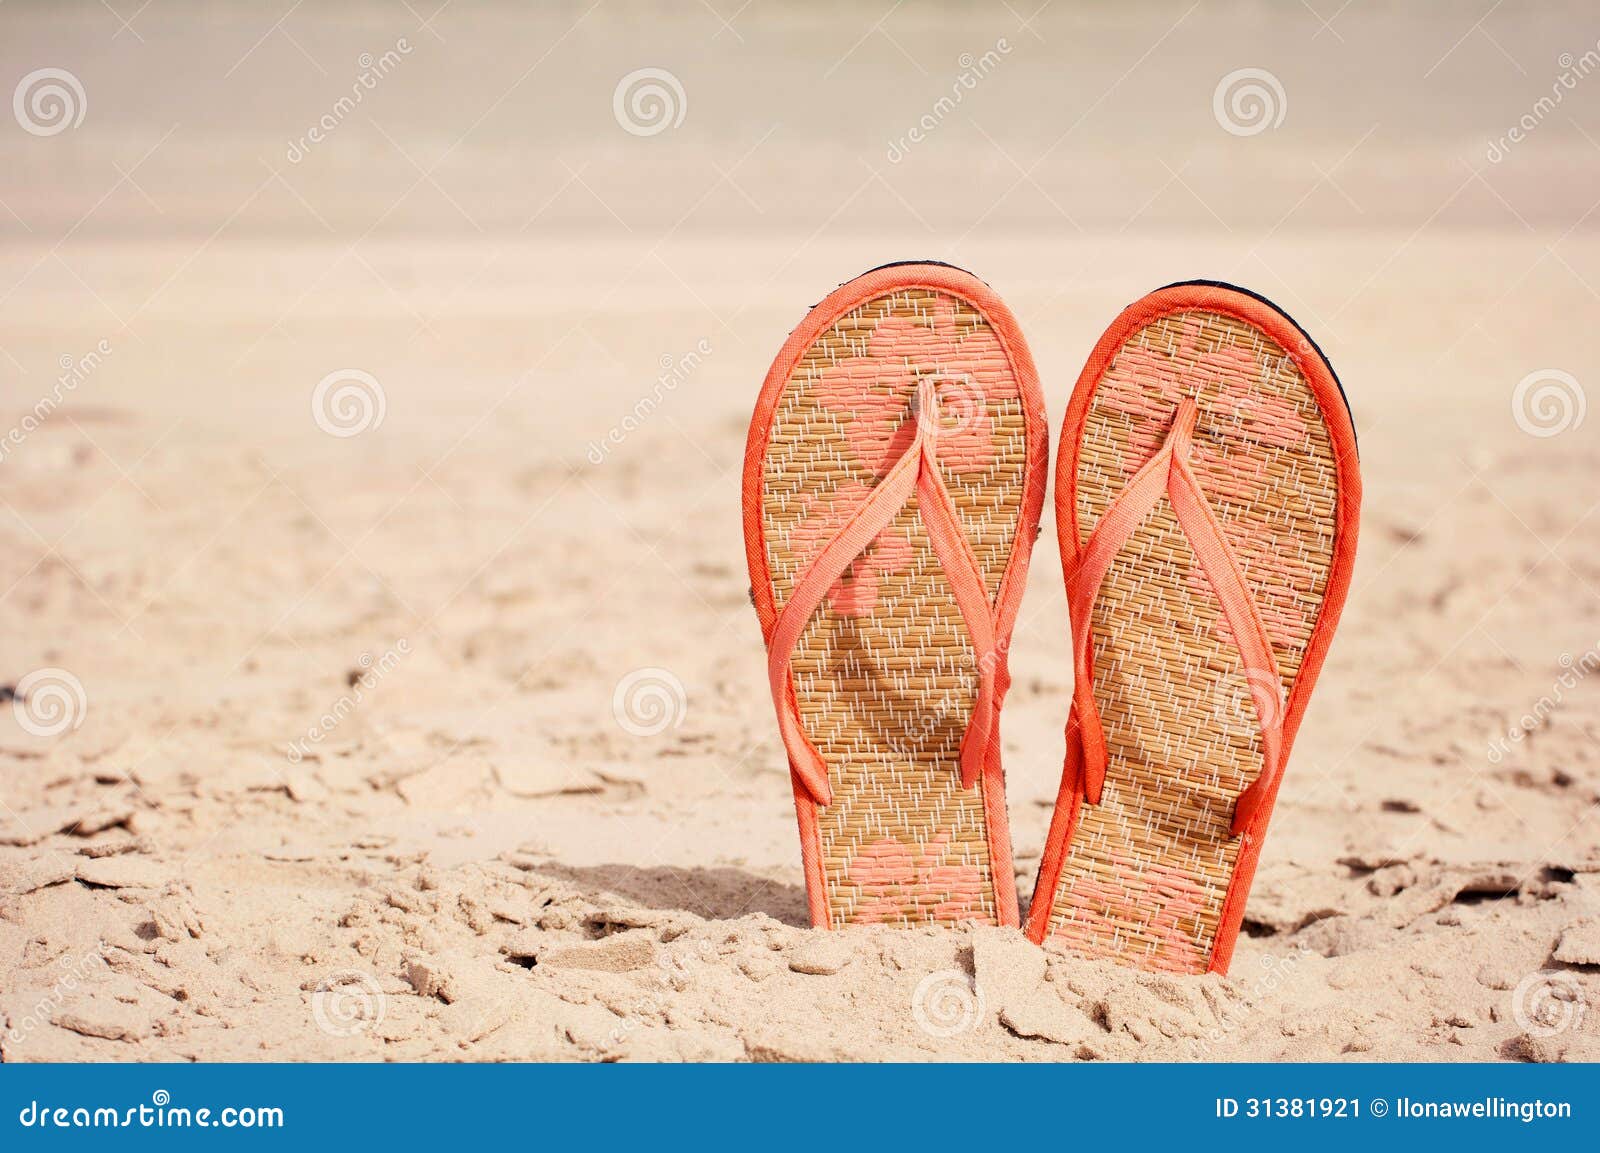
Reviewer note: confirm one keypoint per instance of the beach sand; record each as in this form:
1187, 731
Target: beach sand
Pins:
449, 738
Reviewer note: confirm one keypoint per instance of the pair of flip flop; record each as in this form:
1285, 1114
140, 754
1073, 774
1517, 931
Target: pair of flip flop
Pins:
1207, 499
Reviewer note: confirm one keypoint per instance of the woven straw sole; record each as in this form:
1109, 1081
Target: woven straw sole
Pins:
1148, 874
884, 676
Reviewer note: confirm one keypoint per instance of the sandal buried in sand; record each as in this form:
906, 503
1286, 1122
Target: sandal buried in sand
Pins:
892, 486
1207, 499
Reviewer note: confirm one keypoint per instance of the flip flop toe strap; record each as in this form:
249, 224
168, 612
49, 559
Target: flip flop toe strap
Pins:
1168, 473
914, 474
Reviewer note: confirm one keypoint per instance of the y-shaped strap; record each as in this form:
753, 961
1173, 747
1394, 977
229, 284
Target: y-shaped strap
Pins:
1168, 474
916, 473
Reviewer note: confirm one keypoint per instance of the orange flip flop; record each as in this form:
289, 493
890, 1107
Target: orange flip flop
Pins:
893, 480
1207, 498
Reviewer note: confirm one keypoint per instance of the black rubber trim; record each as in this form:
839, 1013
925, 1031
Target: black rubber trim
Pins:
1317, 348
903, 263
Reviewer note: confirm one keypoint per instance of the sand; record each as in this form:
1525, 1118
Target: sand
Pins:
448, 739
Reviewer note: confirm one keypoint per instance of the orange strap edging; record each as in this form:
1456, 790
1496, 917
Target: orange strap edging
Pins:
1168, 474
915, 473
